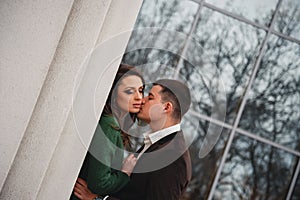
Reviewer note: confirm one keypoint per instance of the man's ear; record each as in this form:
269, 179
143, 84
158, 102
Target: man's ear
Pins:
168, 107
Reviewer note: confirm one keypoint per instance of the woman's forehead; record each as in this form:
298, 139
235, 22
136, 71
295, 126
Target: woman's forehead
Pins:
131, 81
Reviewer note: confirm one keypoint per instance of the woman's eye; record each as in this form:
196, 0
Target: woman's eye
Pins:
128, 91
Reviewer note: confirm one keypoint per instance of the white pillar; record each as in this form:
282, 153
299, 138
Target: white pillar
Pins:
50, 153
29, 34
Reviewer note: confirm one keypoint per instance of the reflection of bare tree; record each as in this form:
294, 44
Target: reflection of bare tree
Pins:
288, 18
260, 171
272, 112
254, 170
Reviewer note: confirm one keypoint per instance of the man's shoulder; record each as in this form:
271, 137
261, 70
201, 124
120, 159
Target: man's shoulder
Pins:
172, 142
163, 153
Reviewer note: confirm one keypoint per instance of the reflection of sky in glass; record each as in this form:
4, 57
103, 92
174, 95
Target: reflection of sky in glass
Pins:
255, 10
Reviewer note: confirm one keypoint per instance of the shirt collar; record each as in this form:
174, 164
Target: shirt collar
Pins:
154, 137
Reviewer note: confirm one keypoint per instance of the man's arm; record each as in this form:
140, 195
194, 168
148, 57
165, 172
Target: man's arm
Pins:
82, 192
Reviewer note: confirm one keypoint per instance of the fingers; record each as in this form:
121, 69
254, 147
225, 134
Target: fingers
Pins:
78, 195
130, 159
81, 181
78, 191
80, 186
81, 190
128, 164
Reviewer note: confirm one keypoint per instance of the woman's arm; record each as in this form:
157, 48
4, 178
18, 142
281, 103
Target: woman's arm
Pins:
106, 174
102, 179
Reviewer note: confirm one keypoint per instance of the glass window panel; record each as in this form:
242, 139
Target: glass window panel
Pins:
175, 15
204, 163
223, 51
287, 21
255, 170
154, 45
159, 34
273, 107
256, 10
208, 92
153, 63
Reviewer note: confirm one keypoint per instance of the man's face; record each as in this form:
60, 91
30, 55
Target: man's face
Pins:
152, 108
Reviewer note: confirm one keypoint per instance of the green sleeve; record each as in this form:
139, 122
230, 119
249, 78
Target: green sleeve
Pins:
107, 150
105, 180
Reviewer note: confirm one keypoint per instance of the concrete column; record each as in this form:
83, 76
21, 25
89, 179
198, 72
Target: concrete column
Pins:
71, 149
30, 32
50, 154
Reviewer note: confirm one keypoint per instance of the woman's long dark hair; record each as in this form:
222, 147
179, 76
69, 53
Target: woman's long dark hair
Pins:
110, 106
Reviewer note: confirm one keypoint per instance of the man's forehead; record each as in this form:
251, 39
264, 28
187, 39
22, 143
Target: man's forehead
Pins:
155, 89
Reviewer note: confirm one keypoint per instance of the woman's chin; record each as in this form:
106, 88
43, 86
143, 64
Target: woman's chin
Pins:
134, 110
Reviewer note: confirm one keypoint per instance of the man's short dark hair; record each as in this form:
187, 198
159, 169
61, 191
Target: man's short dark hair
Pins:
177, 93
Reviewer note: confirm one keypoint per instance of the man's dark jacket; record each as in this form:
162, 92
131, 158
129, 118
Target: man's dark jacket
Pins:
162, 172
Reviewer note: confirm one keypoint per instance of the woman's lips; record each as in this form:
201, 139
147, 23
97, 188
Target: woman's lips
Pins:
138, 105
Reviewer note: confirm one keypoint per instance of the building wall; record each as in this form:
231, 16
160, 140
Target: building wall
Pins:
43, 48
241, 61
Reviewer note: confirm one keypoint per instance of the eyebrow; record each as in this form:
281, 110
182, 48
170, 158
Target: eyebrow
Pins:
129, 88
133, 88
150, 93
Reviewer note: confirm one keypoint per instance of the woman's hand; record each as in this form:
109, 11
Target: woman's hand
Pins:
128, 164
81, 190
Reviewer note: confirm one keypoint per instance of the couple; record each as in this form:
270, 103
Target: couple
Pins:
162, 168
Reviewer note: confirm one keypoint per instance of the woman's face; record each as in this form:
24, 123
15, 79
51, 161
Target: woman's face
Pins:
130, 94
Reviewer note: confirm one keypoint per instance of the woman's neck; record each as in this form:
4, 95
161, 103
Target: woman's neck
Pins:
125, 121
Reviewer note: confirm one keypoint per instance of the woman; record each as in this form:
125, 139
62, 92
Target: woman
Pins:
105, 156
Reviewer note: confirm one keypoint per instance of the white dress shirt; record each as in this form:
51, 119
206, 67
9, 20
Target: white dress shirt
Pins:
151, 138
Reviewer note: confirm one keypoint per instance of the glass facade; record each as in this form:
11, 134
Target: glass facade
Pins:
241, 60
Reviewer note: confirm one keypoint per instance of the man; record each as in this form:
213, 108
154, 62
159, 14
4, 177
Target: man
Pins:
163, 169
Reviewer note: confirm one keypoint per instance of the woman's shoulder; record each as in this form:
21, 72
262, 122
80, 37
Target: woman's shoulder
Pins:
108, 120
109, 125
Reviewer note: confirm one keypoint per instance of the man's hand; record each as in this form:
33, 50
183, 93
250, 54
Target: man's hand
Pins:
81, 190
